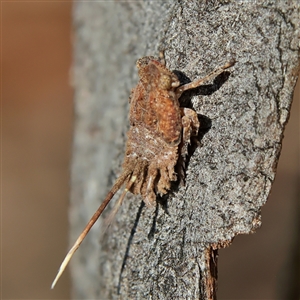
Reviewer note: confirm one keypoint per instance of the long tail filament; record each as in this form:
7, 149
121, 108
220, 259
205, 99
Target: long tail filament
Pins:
94, 218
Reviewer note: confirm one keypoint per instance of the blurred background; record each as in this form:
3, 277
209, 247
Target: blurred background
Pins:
37, 116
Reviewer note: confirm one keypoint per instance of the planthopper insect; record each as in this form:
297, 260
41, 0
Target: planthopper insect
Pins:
159, 135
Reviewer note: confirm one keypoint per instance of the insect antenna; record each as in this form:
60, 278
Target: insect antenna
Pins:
92, 221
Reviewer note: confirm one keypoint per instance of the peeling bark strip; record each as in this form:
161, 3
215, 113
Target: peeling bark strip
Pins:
166, 252
208, 273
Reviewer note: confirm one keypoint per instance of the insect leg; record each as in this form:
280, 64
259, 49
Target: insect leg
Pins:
150, 196
200, 81
190, 127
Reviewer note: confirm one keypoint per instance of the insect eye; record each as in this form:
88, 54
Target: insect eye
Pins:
165, 82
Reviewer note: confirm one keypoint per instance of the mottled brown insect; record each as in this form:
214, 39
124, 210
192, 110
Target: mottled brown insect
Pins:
160, 132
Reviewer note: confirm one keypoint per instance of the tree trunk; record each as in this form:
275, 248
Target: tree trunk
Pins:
170, 252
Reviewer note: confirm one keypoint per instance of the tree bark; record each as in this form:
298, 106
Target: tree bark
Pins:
170, 252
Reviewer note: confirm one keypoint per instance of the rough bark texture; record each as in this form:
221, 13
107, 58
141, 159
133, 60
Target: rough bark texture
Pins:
171, 252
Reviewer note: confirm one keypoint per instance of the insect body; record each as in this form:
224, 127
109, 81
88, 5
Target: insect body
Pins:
160, 131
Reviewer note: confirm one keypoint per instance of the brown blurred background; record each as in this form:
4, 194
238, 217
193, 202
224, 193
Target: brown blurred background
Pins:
37, 116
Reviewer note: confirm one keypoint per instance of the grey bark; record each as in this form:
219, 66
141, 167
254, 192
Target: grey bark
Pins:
170, 252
